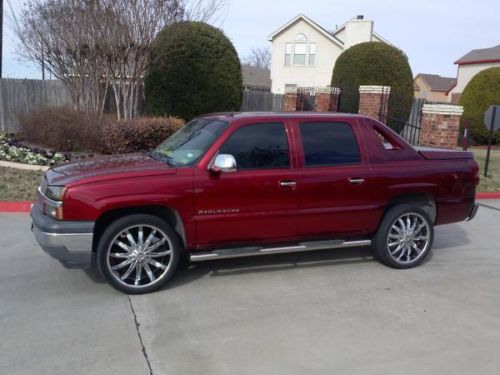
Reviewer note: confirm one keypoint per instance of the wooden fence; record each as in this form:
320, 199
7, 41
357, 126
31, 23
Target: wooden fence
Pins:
261, 101
19, 96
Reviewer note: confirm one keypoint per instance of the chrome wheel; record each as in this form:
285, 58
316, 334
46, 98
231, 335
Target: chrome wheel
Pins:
409, 238
139, 256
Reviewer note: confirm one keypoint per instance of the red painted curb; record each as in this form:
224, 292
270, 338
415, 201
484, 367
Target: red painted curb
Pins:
488, 195
24, 206
15, 207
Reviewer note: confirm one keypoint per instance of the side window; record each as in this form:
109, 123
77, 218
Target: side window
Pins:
258, 146
329, 144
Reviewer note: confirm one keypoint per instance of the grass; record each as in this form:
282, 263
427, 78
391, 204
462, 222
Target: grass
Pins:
492, 182
18, 185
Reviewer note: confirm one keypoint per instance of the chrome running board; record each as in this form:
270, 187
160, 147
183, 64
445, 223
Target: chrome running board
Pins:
256, 250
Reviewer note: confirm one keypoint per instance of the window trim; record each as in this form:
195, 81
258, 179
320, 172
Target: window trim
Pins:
290, 51
325, 121
263, 123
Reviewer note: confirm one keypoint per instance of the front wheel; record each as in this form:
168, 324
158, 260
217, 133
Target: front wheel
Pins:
404, 238
138, 254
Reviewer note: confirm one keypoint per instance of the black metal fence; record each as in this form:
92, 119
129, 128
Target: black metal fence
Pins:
410, 128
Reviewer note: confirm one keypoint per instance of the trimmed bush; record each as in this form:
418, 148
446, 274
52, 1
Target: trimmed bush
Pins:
482, 91
62, 129
375, 63
124, 136
194, 69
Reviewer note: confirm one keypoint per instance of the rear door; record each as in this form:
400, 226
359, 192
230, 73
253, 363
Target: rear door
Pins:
258, 202
334, 198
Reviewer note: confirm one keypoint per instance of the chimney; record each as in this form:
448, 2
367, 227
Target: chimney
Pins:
358, 30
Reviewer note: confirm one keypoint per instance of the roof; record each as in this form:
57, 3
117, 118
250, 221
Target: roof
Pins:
477, 56
309, 21
256, 77
279, 115
377, 35
438, 83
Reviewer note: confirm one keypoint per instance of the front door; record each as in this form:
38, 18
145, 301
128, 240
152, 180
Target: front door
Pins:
334, 197
258, 202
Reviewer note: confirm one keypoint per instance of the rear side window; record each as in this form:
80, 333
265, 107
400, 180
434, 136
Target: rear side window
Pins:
259, 146
329, 144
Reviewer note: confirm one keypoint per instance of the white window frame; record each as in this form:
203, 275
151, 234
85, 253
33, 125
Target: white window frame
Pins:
310, 51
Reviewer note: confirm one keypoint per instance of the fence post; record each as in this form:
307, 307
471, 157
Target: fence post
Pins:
440, 125
373, 101
326, 99
290, 100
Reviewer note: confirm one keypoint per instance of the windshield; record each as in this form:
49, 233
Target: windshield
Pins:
187, 145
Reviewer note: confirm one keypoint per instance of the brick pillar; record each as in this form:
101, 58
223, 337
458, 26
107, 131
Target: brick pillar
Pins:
326, 99
290, 100
440, 125
373, 101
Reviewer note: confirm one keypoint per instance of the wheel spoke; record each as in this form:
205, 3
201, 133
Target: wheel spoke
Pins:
122, 264
149, 272
399, 248
138, 273
128, 272
156, 264
161, 254
149, 239
123, 246
152, 248
140, 236
131, 239
120, 255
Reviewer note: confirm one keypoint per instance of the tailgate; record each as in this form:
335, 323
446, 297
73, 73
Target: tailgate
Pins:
430, 153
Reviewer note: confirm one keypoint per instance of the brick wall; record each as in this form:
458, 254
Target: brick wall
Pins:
290, 101
373, 101
440, 125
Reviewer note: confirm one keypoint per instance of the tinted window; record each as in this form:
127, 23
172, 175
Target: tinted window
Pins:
258, 146
331, 143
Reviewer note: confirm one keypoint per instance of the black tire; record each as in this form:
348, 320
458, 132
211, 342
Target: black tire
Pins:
153, 279
387, 253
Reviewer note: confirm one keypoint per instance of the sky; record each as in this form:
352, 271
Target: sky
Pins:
432, 33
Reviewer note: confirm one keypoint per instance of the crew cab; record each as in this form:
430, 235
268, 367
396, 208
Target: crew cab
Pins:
246, 184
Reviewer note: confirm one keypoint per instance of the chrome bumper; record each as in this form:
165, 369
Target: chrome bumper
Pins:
68, 242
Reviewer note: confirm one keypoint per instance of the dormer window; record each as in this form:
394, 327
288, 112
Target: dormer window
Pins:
300, 52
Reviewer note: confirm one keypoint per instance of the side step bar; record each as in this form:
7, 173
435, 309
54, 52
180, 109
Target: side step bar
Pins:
256, 250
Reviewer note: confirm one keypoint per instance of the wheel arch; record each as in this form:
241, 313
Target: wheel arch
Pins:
170, 215
425, 201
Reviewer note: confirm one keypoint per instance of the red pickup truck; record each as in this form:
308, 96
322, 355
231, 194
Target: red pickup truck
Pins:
236, 185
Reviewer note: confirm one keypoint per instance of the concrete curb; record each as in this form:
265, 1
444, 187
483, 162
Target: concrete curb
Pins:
25, 167
24, 206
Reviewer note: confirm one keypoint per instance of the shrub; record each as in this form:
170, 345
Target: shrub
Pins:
194, 69
62, 129
123, 136
482, 91
375, 63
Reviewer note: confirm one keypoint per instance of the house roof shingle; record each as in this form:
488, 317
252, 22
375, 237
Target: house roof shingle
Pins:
256, 77
478, 55
438, 83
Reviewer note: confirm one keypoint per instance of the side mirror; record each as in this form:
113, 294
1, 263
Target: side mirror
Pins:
224, 163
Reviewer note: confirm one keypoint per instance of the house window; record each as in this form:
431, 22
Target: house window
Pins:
312, 53
288, 53
300, 52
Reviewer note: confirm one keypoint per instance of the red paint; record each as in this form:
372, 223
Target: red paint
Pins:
250, 207
488, 195
15, 207
487, 61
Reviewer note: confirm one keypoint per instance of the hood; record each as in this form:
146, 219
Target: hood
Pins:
114, 166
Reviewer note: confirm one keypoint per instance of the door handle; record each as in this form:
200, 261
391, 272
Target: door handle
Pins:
291, 184
356, 181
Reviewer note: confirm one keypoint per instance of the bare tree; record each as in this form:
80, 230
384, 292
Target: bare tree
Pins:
259, 58
92, 45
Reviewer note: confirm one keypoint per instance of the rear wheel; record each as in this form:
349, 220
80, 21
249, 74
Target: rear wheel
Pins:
138, 254
404, 238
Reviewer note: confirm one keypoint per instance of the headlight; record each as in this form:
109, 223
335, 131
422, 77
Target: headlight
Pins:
56, 193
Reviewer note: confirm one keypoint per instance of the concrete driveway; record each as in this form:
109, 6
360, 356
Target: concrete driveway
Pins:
330, 312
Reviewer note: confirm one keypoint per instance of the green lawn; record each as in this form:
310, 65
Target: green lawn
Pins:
18, 185
492, 182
